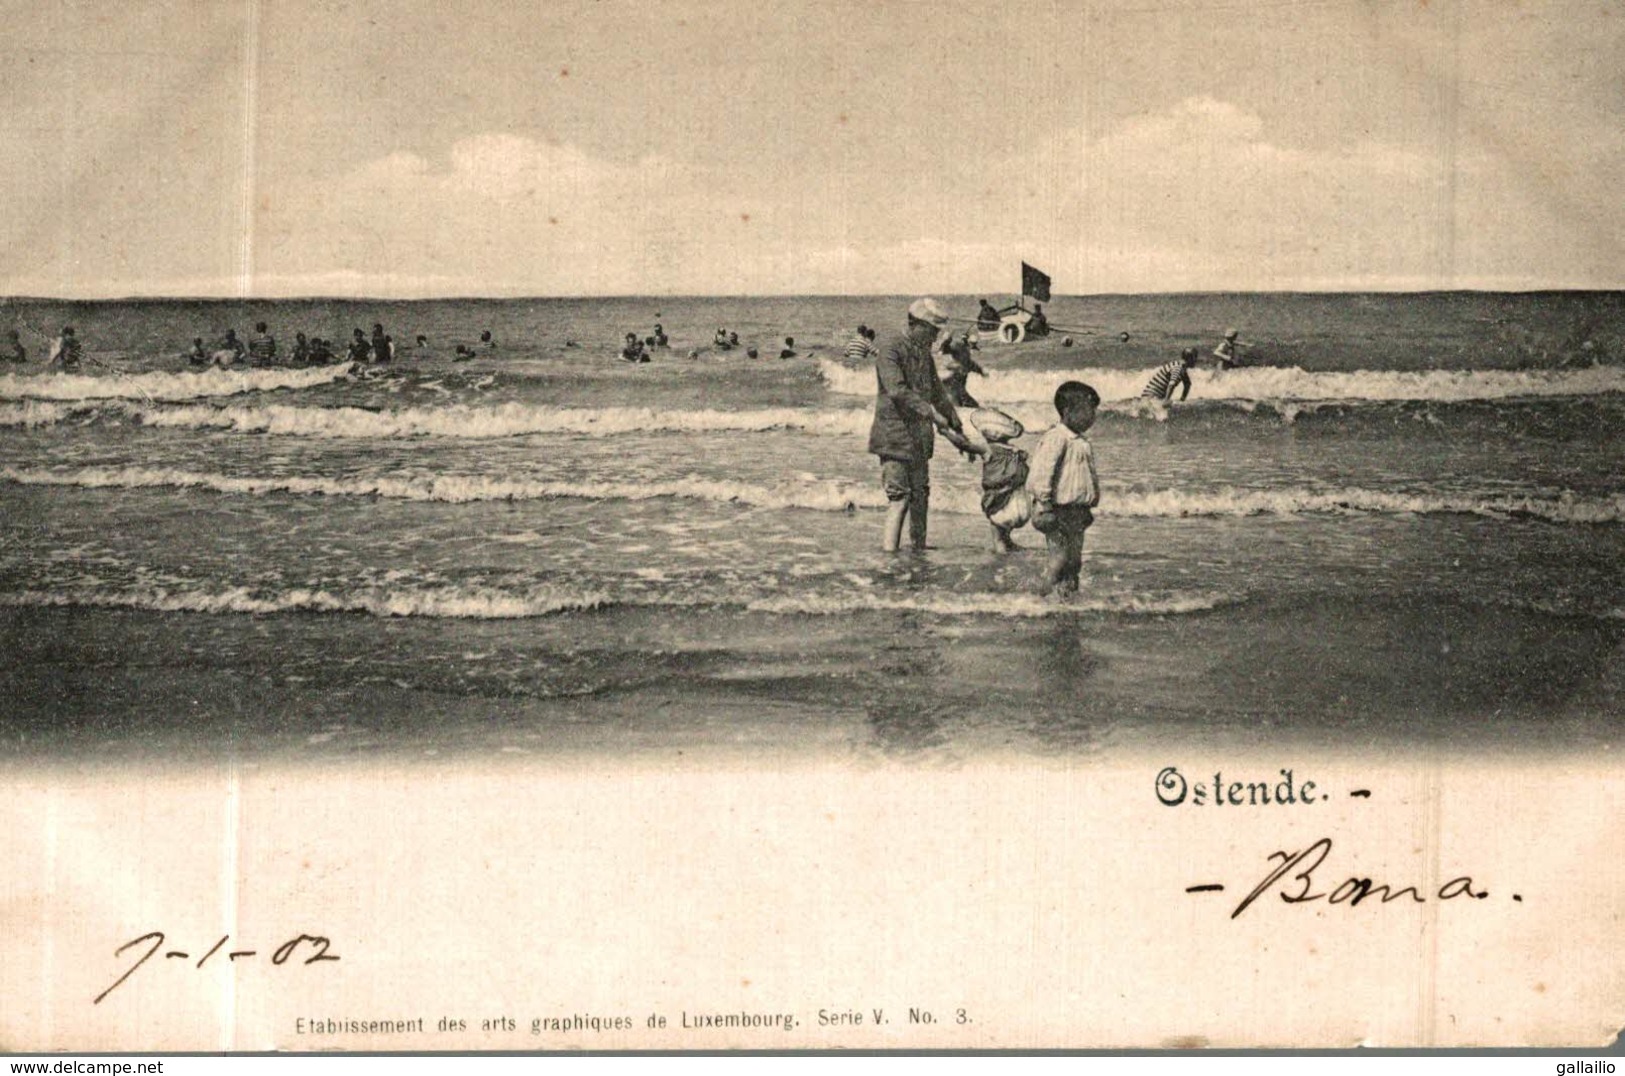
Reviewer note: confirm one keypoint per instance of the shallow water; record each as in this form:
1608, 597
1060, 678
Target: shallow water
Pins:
1404, 526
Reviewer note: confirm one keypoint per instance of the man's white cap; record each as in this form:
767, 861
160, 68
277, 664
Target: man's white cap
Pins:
927, 310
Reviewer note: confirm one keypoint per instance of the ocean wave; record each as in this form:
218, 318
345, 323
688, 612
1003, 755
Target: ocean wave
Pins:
503, 420
1561, 507
1017, 605
483, 604
30, 414
1275, 383
161, 385
835, 495
443, 602
818, 495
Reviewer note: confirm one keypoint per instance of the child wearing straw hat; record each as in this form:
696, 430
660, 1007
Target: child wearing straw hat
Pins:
1005, 500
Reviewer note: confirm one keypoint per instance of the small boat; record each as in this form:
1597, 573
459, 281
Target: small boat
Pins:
1015, 320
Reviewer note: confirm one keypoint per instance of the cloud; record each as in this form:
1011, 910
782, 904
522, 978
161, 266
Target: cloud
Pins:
1196, 196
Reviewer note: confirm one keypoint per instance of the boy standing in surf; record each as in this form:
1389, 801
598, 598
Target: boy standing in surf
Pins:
1064, 486
910, 405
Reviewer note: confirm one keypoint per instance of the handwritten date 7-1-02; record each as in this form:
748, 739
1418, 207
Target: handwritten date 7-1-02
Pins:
302, 949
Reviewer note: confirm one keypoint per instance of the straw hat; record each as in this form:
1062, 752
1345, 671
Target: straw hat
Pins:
995, 425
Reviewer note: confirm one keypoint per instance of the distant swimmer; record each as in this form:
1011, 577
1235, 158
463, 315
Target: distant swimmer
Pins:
861, 350
1123, 336
197, 355
720, 340
1172, 374
1229, 350
359, 350
1587, 355
987, 318
633, 351
486, 341
382, 349
261, 346
750, 353
229, 351
1039, 324
733, 341
956, 366
789, 351
463, 353
659, 339
423, 342
301, 351
65, 350
321, 352
15, 352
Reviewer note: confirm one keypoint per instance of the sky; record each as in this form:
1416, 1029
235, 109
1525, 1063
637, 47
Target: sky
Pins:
416, 148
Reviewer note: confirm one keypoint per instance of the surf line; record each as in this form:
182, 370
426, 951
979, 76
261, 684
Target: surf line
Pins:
91, 359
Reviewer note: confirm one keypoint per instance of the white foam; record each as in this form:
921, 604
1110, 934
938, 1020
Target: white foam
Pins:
1275, 383
1561, 507
445, 602
821, 495
162, 385
1017, 605
31, 413
454, 603
504, 420
833, 495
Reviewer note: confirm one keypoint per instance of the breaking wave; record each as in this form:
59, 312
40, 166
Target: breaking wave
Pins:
483, 604
183, 385
834, 495
1557, 508
1276, 383
982, 605
504, 420
827, 495
30, 413
446, 602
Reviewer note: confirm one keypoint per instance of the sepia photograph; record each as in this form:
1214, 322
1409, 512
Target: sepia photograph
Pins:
913, 525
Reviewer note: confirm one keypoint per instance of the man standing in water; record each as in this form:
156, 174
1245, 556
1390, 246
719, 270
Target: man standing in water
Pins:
1229, 350
910, 406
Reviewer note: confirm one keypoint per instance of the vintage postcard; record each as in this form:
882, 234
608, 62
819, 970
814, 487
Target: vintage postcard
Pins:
608, 525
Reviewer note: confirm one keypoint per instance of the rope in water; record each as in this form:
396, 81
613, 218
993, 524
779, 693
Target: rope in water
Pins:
90, 359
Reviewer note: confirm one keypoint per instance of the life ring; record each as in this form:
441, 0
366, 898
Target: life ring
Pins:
1012, 332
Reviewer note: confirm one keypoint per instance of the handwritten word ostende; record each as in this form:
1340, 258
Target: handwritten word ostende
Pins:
312, 947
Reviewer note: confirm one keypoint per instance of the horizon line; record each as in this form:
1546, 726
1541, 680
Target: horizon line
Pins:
469, 297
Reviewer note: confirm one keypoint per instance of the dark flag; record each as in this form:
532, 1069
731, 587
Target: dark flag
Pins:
1034, 283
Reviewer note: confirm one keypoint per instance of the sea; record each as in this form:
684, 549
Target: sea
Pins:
1399, 527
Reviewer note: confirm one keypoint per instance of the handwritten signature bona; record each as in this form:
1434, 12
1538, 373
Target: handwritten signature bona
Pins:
1293, 880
